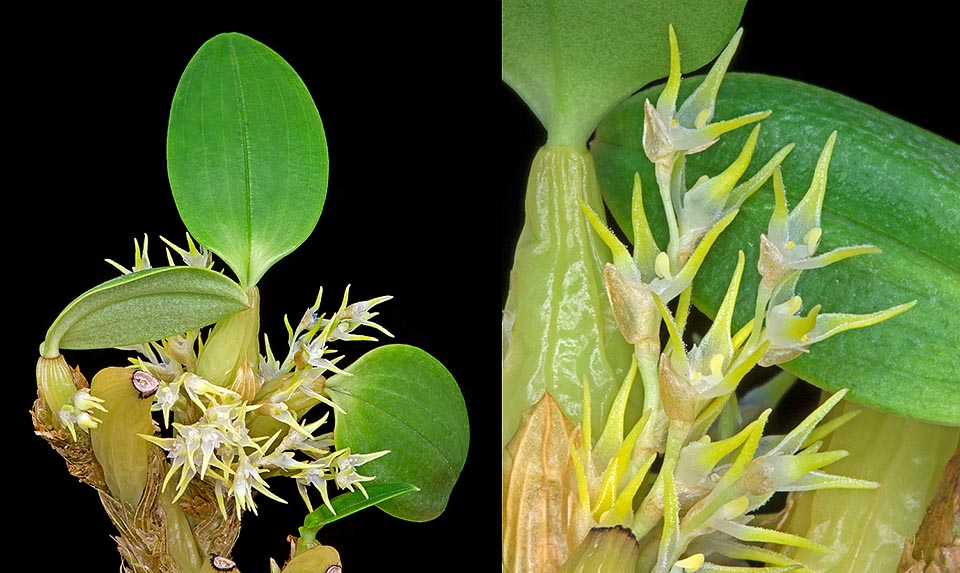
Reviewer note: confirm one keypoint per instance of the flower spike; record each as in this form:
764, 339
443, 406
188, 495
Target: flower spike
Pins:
712, 198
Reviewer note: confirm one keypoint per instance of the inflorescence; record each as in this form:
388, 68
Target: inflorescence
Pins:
240, 434
700, 506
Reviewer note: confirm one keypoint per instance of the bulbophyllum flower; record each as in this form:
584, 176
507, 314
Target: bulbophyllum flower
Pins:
792, 238
669, 131
711, 368
80, 412
720, 520
670, 134
632, 280
713, 198
790, 333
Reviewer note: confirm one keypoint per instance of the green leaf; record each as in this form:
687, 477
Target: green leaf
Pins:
246, 154
573, 61
890, 184
399, 398
352, 502
145, 305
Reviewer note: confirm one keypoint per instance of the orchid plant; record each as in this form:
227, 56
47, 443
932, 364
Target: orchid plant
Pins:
191, 434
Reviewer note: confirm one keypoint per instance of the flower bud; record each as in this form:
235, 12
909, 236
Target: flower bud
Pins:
677, 394
633, 307
55, 384
246, 382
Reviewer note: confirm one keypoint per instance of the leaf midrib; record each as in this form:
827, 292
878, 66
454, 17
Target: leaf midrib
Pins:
245, 146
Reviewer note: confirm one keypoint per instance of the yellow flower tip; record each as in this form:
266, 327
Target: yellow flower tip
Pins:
736, 507
905, 306
583, 491
667, 102
812, 239
716, 366
779, 193
662, 266
621, 256
691, 563
674, 58
702, 118
793, 305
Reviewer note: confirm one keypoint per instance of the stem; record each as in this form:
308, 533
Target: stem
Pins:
232, 340
647, 364
664, 182
181, 545
557, 325
670, 545
651, 437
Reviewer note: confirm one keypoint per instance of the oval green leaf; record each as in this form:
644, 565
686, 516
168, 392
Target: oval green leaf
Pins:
246, 154
141, 306
352, 502
891, 184
399, 398
573, 61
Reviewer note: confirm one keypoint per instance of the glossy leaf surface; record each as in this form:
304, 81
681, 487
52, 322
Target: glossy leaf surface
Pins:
246, 154
890, 184
573, 61
352, 502
145, 305
399, 398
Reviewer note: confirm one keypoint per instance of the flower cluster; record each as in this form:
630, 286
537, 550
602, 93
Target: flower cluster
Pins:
236, 436
718, 469
80, 412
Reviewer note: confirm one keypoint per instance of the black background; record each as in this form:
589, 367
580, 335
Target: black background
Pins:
410, 212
